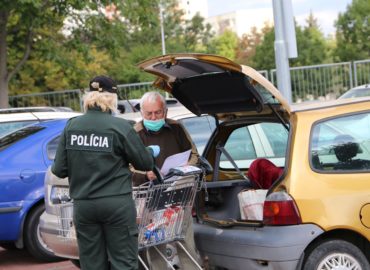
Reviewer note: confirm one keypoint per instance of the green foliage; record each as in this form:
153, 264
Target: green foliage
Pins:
225, 44
353, 32
67, 42
75, 40
313, 48
264, 57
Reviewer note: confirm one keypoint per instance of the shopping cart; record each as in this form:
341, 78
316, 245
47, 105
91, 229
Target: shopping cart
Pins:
66, 228
164, 211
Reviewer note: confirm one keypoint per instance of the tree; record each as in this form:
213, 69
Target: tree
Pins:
353, 32
264, 58
22, 28
247, 46
71, 41
312, 46
225, 44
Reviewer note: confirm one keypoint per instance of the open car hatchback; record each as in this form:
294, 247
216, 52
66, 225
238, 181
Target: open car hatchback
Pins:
311, 160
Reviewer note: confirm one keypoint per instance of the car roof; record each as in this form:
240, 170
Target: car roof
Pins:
35, 109
316, 105
32, 116
211, 84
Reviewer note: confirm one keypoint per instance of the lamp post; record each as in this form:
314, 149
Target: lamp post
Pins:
162, 34
162, 28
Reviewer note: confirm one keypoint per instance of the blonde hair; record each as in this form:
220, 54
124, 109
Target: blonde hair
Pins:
105, 100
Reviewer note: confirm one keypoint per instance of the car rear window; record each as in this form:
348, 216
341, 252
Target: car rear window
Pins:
341, 144
18, 135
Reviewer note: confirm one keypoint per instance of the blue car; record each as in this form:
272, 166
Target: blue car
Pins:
24, 158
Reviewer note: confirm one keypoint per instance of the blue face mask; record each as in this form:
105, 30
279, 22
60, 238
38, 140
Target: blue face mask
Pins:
153, 125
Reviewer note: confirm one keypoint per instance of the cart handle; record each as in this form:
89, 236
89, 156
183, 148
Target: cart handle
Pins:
158, 175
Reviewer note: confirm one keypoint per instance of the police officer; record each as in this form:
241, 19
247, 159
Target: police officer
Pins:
94, 151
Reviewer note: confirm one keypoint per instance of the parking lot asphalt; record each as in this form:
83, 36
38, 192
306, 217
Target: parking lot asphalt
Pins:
21, 260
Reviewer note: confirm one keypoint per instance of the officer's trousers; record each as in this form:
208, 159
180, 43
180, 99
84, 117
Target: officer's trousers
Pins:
107, 234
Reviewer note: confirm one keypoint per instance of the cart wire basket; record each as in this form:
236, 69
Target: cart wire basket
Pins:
66, 228
164, 210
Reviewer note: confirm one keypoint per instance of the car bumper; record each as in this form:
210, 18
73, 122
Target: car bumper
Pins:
278, 248
62, 247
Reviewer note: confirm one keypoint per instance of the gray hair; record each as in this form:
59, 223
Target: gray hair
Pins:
105, 100
152, 97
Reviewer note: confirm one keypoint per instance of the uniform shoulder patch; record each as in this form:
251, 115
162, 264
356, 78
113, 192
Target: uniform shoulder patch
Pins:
89, 141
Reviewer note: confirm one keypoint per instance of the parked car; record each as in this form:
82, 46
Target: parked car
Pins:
359, 91
301, 226
133, 105
25, 155
14, 120
322, 149
36, 109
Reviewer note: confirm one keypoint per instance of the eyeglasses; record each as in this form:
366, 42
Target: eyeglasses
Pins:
156, 113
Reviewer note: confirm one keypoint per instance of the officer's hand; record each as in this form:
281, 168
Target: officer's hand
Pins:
150, 175
155, 150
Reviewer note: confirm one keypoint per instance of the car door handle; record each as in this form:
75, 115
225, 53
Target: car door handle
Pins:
27, 175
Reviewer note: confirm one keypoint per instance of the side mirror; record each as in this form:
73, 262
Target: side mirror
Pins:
205, 165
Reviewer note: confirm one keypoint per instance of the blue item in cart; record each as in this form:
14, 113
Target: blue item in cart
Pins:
157, 234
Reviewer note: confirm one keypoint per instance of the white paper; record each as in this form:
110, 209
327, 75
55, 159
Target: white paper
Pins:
175, 160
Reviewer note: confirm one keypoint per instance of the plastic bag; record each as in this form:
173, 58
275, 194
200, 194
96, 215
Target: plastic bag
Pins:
251, 203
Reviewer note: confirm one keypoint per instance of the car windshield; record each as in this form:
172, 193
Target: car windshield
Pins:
359, 92
17, 135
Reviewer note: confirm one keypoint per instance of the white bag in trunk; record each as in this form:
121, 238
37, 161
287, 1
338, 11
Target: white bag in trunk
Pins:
251, 203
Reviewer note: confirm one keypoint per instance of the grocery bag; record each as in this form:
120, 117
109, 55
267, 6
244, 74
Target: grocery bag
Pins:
251, 203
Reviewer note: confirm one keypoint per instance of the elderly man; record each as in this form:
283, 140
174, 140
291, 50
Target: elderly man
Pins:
168, 134
172, 138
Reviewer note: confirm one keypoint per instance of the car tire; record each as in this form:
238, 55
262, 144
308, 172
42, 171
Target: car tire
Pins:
32, 237
335, 254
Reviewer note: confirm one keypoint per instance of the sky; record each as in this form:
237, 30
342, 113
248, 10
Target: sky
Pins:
326, 11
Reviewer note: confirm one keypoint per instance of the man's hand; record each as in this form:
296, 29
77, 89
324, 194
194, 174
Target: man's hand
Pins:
150, 175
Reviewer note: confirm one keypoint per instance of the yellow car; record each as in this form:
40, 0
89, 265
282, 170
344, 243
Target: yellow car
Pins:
316, 214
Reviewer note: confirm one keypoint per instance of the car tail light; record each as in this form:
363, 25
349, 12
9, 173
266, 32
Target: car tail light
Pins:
280, 209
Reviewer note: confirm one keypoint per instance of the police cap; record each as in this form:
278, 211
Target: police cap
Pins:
103, 84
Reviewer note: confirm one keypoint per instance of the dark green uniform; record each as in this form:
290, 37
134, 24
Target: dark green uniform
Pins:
95, 150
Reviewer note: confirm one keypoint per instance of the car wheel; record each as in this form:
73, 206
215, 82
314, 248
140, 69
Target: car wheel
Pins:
32, 237
336, 254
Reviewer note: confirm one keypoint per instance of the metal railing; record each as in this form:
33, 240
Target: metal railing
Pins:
325, 81
67, 98
317, 82
361, 72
